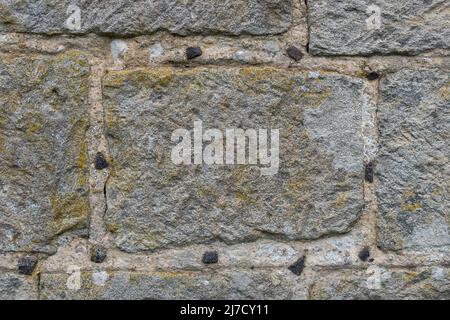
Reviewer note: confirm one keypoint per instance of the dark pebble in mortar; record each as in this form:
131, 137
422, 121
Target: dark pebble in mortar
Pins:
27, 265
373, 75
294, 53
100, 162
98, 254
210, 257
193, 52
369, 172
364, 254
298, 266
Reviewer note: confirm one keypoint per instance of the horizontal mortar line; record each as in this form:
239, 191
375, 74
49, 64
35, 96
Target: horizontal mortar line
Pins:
157, 34
69, 37
187, 65
381, 265
248, 269
209, 270
315, 268
182, 67
212, 270
286, 67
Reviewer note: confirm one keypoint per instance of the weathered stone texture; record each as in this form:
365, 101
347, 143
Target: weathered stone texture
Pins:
17, 287
231, 284
43, 149
92, 206
154, 203
380, 283
123, 17
413, 168
344, 27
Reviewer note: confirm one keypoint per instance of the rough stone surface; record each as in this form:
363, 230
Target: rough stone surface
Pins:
414, 116
346, 27
317, 191
17, 287
123, 17
380, 283
91, 91
43, 149
232, 284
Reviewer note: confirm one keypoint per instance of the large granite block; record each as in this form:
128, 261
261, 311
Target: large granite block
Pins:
43, 149
155, 203
123, 17
365, 27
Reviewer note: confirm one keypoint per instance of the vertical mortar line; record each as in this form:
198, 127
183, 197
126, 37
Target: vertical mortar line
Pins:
375, 135
370, 135
38, 283
307, 25
38, 280
97, 143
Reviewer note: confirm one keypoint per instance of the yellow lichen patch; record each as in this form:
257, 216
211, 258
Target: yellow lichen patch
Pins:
408, 193
410, 276
68, 211
244, 198
3, 124
145, 77
111, 119
112, 227
32, 122
167, 275
318, 295
262, 78
173, 175
78, 132
134, 277
74, 62
34, 128
360, 73
83, 156
213, 194
411, 207
340, 202
259, 73
241, 174
438, 191
295, 191
409, 200
314, 99
150, 241
6, 17
444, 91
169, 177
295, 183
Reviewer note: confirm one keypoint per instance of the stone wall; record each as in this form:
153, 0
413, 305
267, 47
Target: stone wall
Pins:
92, 207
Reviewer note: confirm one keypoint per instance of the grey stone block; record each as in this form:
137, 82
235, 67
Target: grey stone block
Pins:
154, 203
379, 283
230, 284
365, 27
413, 168
123, 17
43, 149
